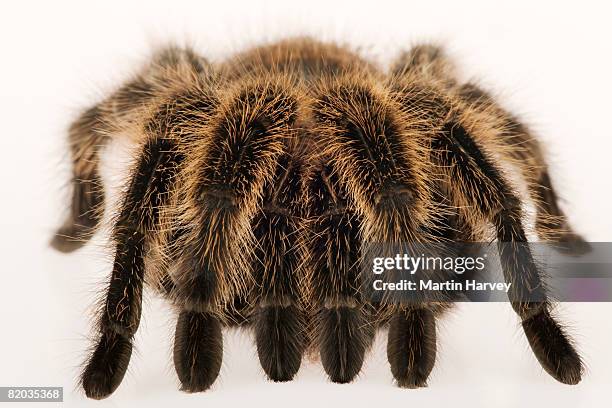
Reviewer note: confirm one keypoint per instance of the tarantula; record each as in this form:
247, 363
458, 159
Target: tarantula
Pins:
256, 182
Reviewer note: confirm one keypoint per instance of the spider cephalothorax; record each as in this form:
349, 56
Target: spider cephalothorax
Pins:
259, 180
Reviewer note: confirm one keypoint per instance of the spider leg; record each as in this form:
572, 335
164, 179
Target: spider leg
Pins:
280, 339
222, 192
279, 319
551, 222
85, 138
426, 61
88, 135
381, 196
343, 328
480, 186
120, 315
411, 348
198, 350
430, 62
136, 227
198, 341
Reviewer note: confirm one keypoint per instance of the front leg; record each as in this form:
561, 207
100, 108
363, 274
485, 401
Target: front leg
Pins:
120, 317
411, 346
119, 321
222, 187
344, 330
377, 193
279, 318
198, 350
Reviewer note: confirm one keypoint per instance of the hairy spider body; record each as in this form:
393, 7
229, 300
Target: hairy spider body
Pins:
259, 180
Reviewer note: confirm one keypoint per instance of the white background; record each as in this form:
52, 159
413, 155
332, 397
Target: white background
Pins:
550, 62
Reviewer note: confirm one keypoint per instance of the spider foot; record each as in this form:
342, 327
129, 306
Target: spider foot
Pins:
80, 225
345, 338
411, 347
553, 349
107, 366
198, 350
72, 236
280, 345
572, 244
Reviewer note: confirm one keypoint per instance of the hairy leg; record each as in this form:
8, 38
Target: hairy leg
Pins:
279, 319
427, 61
222, 189
551, 222
480, 189
430, 62
495, 202
88, 135
281, 339
411, 347
198, 350
120, 315
376, 193
344, 332
148, 192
